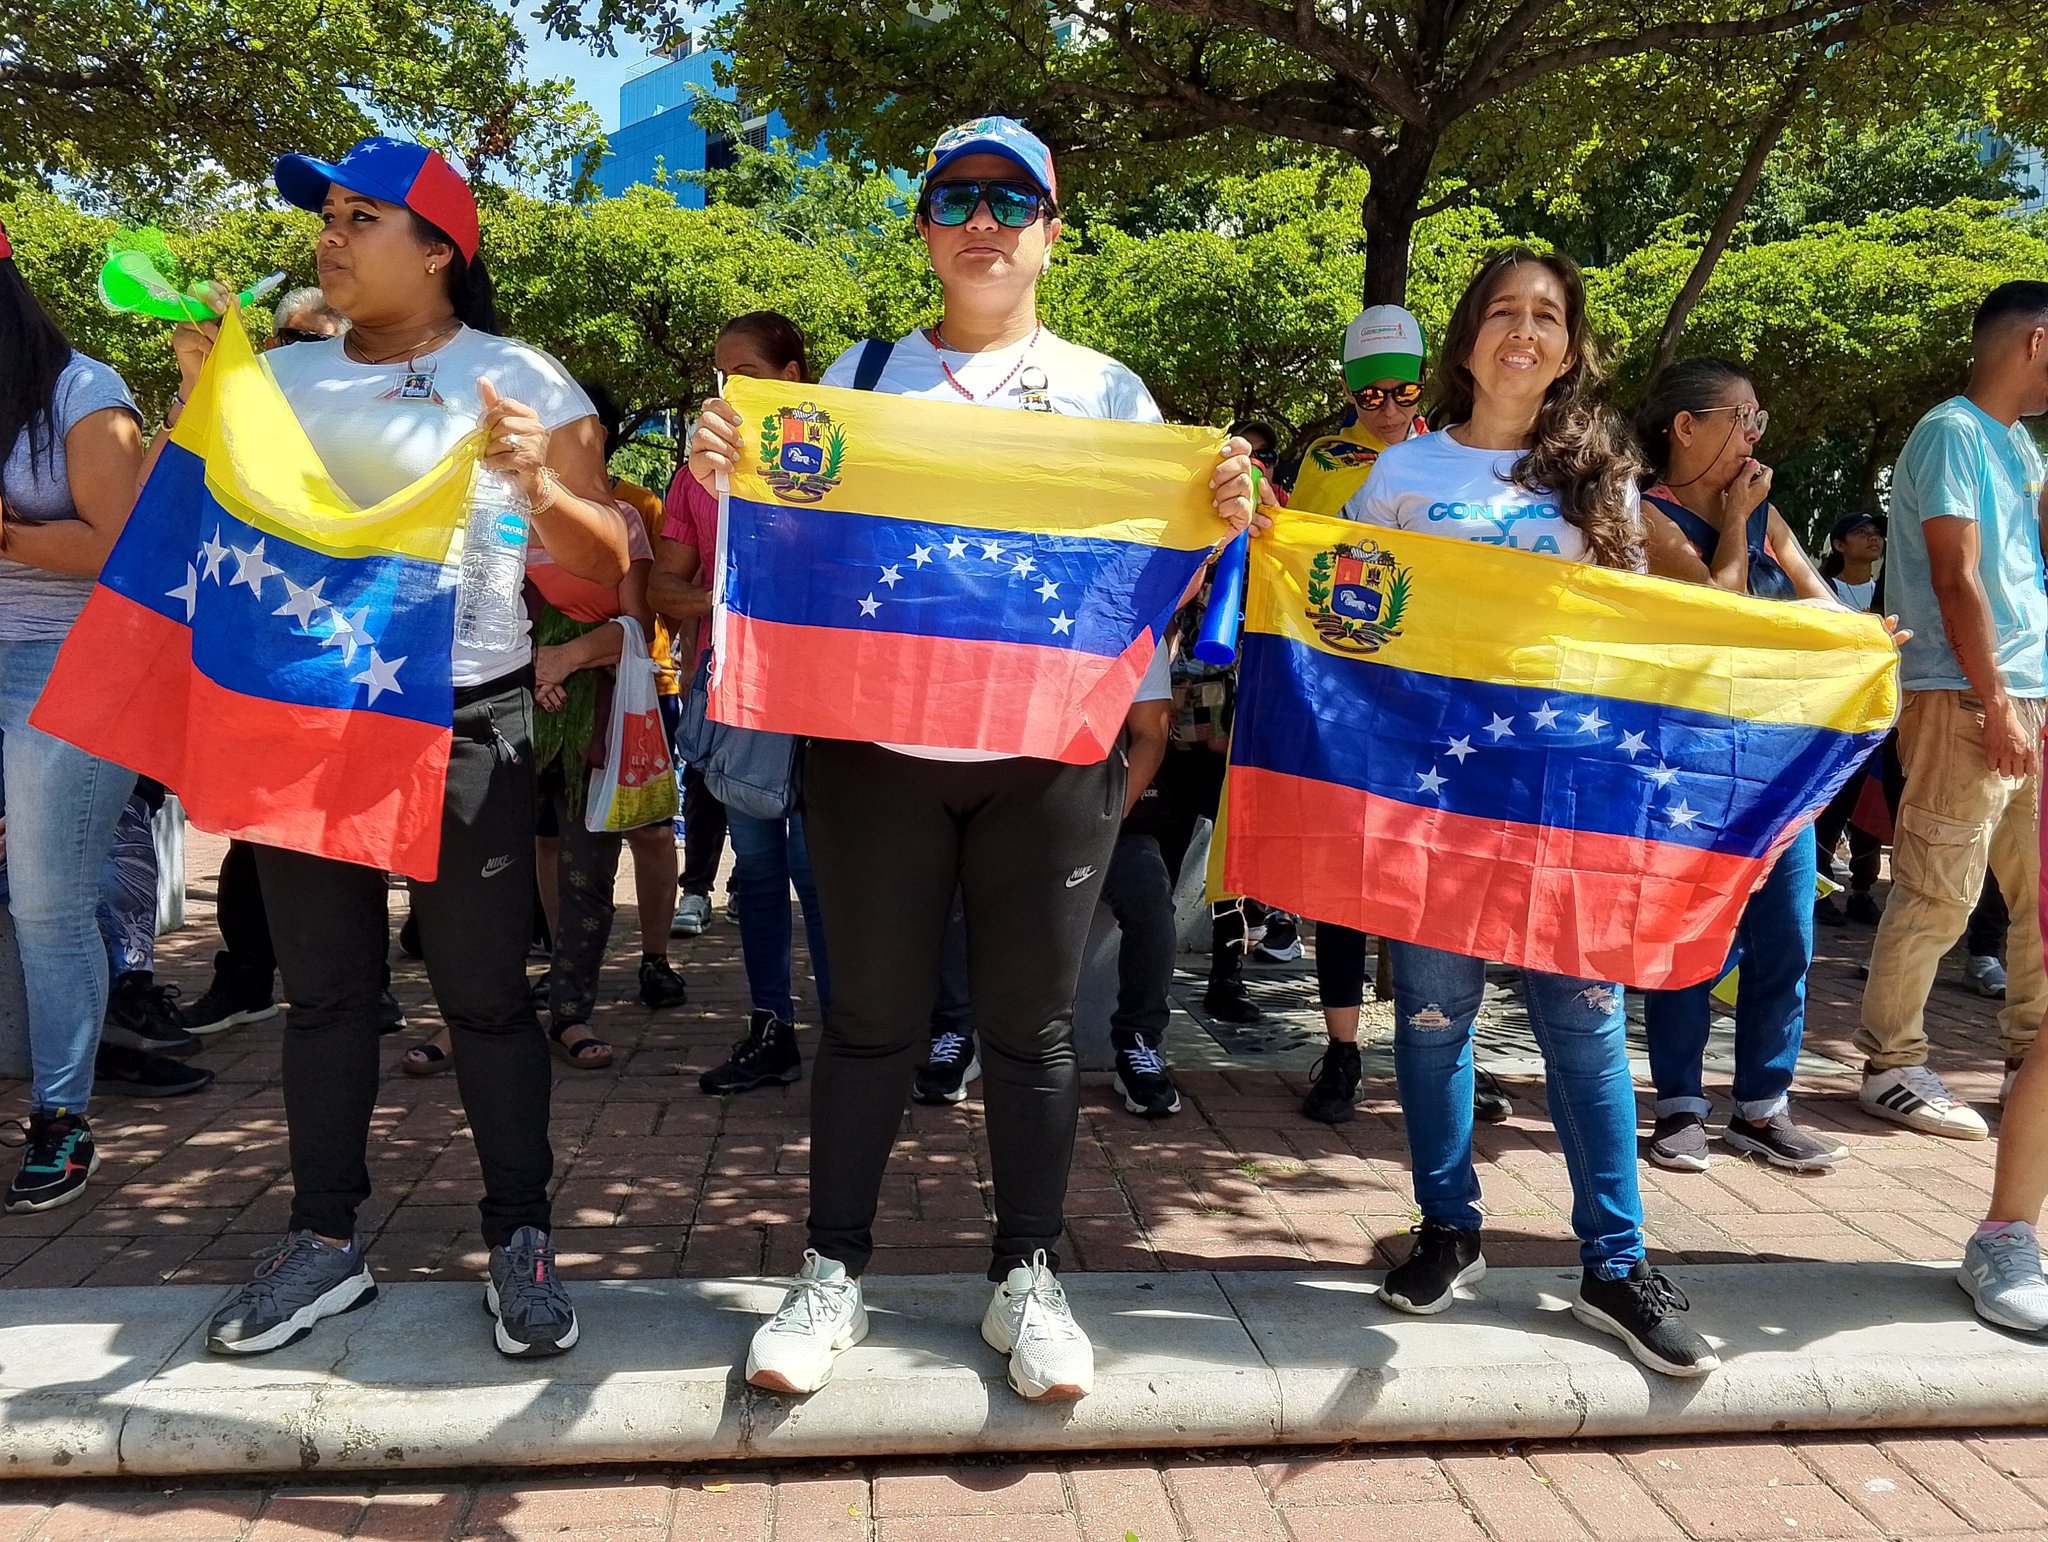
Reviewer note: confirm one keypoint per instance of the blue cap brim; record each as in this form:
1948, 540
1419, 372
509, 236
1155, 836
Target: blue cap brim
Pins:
304, 181
988, 147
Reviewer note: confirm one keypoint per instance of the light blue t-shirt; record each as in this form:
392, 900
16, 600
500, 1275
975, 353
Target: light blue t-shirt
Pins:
1961, 463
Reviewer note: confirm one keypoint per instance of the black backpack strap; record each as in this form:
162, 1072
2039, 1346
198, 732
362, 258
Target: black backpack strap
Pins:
874, 358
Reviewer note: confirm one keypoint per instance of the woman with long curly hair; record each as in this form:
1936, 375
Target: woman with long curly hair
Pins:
1524, 458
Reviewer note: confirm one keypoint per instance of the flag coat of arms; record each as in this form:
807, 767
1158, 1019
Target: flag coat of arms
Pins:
1538, 762
270, 652
949, 576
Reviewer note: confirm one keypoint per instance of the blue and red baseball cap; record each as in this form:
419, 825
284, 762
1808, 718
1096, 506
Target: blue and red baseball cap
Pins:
396, 171
995, 136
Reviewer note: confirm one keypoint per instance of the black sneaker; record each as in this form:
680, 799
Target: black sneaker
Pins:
1642, 1310
133, 1073
1333, 1097
1443, 1258
390, 1015
525, 1295
660, 986
1229, 1002
1783, 1144
1862, 909
1679, 1142
953, 1064
57, 1159
1490, 1105
1827, 913
142, 1014
766, 1056
1142, 1082
1282, 942
237, 995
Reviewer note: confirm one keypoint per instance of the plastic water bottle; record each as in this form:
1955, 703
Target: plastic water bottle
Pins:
487, 601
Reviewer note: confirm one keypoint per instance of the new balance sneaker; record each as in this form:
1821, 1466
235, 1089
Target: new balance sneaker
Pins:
1229, 1002
1443, 1258
303, 1281
767, 1056
1782, 1143
1678, 1142
1141, 1081
1282, 942
822, 1314
142, 1014
121, 1072
693, 914
660, 985
1642, 1310
1985, 975
2001, 1272
1914, 1096
1490, 1104
943, 1078
1029, 1320
1333, 1084
57, 1157
237, 995
525, 1296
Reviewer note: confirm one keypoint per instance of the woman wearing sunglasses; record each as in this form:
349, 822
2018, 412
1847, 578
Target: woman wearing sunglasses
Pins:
895, 829
1709, 519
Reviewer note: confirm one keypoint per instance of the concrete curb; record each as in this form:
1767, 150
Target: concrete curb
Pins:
97, 1383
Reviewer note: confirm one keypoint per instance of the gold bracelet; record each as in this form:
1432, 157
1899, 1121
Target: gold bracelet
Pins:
553, 485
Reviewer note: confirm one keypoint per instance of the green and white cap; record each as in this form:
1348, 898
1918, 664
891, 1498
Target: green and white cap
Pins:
1383, 342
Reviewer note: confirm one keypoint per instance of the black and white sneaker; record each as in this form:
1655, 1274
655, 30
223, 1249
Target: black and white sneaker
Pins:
1782, 1143
1282, 942
142, 1014
1444, 1257
237, 995
133, 1073
302, 1282
1333, 1084
1642, 1310
953, 1064
767, 1056
1678, 1143
1490, 1104
525, 1295
57, 1157
1914, 1096
1141, 1081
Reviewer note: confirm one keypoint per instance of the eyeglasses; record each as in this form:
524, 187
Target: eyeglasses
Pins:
301, 335
1372, 398
1754, 419
1014, 204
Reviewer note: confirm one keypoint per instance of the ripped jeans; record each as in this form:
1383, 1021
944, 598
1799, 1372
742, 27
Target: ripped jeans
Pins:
1580, 1028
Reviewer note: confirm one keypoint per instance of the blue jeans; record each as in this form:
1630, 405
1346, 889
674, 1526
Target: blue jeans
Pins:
1774, 944
768, 856
62, 805
1581, 1030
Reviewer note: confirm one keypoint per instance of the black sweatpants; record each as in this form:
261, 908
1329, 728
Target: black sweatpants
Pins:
244, 928
328, 921
1027, 843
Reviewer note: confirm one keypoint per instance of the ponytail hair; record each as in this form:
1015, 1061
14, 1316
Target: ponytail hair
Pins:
1581, 452
1690, 385
470, 290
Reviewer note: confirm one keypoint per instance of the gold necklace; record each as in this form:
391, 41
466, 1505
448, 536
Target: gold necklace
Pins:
411, 351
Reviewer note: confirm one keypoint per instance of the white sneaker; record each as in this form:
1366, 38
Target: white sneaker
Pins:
2001, 1272
1986, 976
1029, 1321
693, 914
822, 1314
1914, 1096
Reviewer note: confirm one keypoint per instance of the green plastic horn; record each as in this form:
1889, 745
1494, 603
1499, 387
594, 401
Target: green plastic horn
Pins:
132, 281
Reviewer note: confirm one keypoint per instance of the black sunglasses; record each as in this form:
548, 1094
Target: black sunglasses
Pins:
1372, 398
301, 335
1013, 204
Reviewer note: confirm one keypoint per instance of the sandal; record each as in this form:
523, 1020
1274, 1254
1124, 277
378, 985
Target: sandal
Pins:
427, 1059
589, 1053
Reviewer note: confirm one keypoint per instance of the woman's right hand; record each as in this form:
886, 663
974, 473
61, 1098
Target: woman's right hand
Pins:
1752, 485
192, 341
715, 447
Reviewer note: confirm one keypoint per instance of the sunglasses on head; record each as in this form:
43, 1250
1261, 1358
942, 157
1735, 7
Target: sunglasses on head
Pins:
1013, 204
300, 335
1372, 398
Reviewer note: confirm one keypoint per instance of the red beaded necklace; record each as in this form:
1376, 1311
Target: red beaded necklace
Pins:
954, 380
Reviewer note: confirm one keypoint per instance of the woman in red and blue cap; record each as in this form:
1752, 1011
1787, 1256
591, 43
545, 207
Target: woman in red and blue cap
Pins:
894, 830
420, 367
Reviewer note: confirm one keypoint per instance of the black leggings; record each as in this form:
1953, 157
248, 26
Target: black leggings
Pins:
1026, 842
1340, 966
328, 921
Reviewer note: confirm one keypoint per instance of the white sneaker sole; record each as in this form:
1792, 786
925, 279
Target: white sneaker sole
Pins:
1751, 1146
807, 1378
1593, 1317
959, 1093
508, 1345
1679, 1164
1031, 1388
1929, 1122
1140, 1109
1471, 1274
357, 1290
234, 1020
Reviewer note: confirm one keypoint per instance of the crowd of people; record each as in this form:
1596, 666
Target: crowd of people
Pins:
953, 891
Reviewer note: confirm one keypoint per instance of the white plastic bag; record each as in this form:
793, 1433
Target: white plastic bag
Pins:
636, 785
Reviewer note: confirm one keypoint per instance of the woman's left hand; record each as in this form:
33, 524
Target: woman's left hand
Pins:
517, 445
1230, 489
1899, 635
550, 668
550, 698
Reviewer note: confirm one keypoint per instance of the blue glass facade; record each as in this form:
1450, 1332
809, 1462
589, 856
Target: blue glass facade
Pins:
658, 134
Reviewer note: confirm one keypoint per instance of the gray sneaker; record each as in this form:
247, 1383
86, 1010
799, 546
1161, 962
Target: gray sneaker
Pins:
2001, 1272
302, 1282
1679, 1143
1782, 1143
526, 1296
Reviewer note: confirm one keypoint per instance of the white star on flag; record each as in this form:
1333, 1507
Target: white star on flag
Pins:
991, 551
1633, 745
1062, 624
892, 575
1682, 814
348, 633
215, 554
1591, 722
921, 555
1501, 727
1024, 567
1431, 782
251, 569
300, 603
956, 547
1459, 749
1048, 590
1662, 774
870, 606
188, 591
1545, 716
381, 676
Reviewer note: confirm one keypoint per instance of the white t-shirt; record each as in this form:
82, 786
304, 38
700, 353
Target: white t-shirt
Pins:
1054, 375
376, 436
1855, 596
1437, 486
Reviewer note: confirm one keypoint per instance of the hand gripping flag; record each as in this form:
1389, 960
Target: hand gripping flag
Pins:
915, 572
1538, 762
274, 655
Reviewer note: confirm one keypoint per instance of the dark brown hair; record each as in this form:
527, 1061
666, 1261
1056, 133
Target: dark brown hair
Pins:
1581, 452
779, 339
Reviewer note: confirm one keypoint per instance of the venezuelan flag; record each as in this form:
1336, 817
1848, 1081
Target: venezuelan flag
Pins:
276, 656
1527, 760
916, 572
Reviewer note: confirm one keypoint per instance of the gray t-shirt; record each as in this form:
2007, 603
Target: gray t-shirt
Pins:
36, 606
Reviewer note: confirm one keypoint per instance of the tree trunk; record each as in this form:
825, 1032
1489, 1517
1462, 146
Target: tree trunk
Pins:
1391, 209
1767, 137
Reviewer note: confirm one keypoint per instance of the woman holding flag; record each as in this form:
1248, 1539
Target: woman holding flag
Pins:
1521, 457
419, 369
894, 829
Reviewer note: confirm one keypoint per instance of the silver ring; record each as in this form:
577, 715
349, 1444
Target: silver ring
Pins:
511, 441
